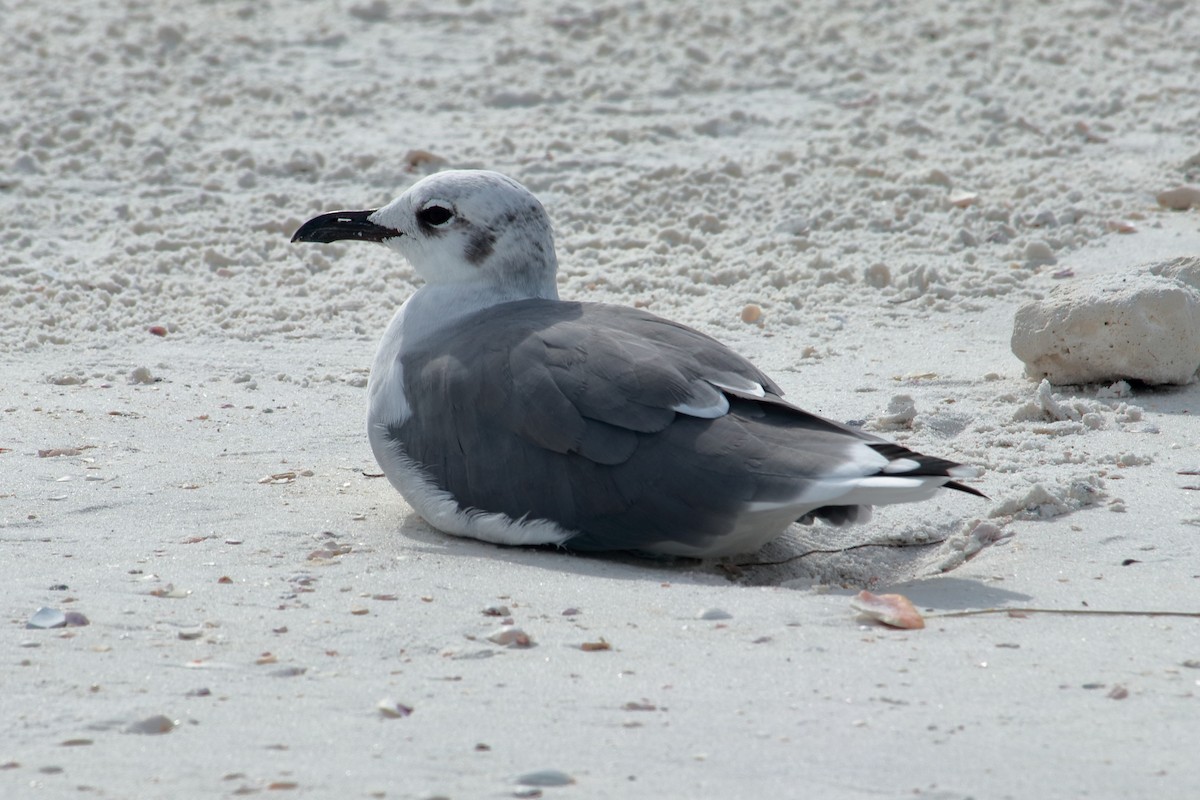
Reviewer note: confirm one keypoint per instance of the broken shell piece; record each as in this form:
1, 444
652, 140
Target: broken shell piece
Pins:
510, 636
55, 452
592, 647
169, 591
895, 610
45, 618
392, 709
963, 199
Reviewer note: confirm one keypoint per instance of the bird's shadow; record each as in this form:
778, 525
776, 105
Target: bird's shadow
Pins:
789, 562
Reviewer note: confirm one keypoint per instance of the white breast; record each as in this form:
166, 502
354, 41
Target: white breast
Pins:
388, 407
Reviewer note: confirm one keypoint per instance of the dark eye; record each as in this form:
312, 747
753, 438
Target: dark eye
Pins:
435, 215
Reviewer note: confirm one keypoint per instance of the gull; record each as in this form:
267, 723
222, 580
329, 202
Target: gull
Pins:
504, 414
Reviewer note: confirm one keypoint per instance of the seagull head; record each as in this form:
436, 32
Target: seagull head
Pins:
458, 227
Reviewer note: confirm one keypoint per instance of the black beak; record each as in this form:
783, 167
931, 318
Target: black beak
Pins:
343, 225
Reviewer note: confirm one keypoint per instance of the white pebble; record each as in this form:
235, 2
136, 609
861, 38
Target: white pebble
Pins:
1180, 198
1038, 252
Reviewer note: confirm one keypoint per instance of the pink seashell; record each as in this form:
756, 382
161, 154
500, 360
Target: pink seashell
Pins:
895, 610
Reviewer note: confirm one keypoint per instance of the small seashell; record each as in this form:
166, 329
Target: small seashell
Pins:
76, 620
751, 313
157, 330
496, 611
392, 709
510, 636
45, 618
961, 199
895, 610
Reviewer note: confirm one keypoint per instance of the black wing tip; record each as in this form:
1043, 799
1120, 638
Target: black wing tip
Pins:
962, 487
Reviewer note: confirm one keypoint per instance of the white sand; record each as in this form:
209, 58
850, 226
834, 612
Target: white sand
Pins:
886, 183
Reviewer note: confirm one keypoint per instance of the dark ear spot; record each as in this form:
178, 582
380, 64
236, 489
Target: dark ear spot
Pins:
480, 246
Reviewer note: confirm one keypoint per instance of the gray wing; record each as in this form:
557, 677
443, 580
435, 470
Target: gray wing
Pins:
609, 421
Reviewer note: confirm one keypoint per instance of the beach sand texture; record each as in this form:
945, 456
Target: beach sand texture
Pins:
857, 196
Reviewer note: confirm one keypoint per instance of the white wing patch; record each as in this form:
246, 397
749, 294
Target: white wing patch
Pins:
733, 383
708, 400
704, 402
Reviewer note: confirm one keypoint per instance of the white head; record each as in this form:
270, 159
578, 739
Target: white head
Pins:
458, 227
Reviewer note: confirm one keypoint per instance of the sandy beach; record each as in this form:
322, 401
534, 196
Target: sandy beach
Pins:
859, 197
